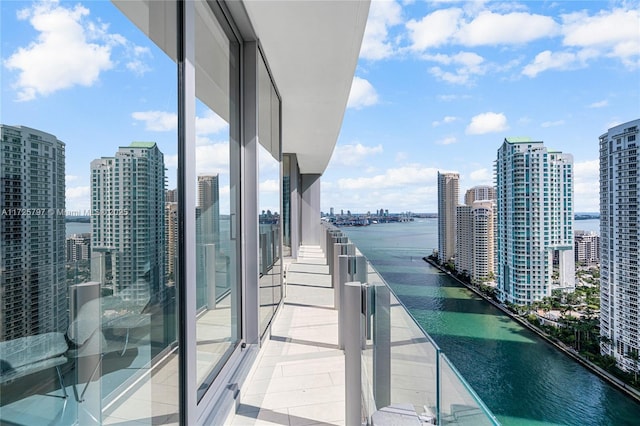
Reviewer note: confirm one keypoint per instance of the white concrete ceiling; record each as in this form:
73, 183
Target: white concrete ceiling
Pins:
312, 48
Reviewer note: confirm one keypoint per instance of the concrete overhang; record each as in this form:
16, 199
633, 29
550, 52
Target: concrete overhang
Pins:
312, 49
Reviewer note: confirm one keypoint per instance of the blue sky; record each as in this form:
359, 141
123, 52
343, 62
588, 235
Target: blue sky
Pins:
438, 86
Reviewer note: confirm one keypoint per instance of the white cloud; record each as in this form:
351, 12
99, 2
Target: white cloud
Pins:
446, 120
162, 121
210, 123
382, 15
552, 123
488, 122
353, 154
447, 141
475, 27
435, 29
401, 157
599, 104
615, 33
62, 56
490, 28
362, 94
77, 198
157, 121
70, 178
586, 186
270, 185
69, 50
212, 158
482, 176
548, 60
412, 187
466, 65
401, 177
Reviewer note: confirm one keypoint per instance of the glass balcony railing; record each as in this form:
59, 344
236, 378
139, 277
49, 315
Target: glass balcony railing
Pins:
403, 367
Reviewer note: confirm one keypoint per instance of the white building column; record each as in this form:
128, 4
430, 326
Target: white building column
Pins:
310, 209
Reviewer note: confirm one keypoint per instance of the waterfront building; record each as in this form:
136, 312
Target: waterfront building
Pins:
619, 305
128, 221
464, 239
483, 240
587, 247
78, 247
32, 233
448, 187
534, 189
478, 193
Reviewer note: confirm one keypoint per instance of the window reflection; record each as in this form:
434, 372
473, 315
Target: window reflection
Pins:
217, 165
270, 256
87, 272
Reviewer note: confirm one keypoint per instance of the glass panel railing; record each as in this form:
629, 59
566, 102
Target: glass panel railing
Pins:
403, 367
459, 404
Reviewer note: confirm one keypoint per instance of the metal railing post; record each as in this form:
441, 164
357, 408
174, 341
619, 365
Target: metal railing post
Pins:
350, 268
353, 353
438, 386
381, 345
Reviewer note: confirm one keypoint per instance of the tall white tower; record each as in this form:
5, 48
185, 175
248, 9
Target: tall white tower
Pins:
534, 188
128, 222
619, 305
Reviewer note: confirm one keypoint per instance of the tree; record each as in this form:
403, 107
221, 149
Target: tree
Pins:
633, 356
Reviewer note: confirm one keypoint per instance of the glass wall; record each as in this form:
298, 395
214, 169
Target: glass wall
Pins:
88, 235
270, 256
217, 163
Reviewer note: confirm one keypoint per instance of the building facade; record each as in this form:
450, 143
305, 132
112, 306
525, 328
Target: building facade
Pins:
534, 189
619, 306
128, 221
478, 193
483, 249
78, 247
448, 192
464, 240
587, 247
33, 291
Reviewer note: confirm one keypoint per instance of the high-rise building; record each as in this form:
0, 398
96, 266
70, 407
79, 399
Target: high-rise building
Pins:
534, 188
447, 202
78, 247
171, 196
171, 226
128, 221
33, 291
464, 239
479, 193
209, 203
587, 247
619, 305
483, 249
474, 239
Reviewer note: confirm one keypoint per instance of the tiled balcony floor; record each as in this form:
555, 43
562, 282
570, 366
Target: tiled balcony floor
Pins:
298, 378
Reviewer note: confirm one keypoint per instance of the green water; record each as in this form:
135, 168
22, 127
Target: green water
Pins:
521, 378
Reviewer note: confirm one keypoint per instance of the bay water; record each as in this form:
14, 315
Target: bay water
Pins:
520, 377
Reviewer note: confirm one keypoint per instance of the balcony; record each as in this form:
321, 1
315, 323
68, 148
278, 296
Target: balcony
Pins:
302, 376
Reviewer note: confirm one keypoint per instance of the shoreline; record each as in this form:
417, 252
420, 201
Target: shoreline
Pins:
569, 352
